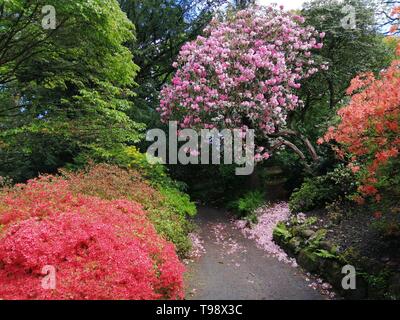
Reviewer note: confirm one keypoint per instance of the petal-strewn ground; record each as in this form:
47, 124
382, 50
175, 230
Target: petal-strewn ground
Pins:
233, 267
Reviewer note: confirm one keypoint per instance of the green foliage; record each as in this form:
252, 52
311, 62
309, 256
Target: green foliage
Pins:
5, 182
178, 202
170, 215
131, 157
216, 184
246, 205
379, 281
325, 254
389, 183
162, 27
319, 191
170, 218
388, 227
349, 52
64, 93
281, 232
156, 173
314, 242
305, 223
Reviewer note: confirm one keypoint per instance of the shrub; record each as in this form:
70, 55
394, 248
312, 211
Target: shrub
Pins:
168, 207
246, 206
318, 191
101, 249
155, 173
368, 134
5, 182
178, 202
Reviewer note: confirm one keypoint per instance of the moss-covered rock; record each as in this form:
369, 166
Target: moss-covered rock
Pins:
294, 245
320, 256
328, 246
308, 260
332, 271
307, 233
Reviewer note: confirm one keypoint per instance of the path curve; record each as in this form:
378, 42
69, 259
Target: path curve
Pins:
233, 268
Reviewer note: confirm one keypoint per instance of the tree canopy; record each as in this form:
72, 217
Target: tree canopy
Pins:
243, 73
162, 27
64, 91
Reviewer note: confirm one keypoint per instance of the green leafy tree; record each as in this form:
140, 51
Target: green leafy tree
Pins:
162, 27
64, 92
348, 50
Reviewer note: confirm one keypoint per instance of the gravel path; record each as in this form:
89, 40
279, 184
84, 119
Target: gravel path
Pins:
231, 267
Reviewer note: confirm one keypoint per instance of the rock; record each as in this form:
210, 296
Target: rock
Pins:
296, 230
294, 245
308, 261
328, 246
307, 233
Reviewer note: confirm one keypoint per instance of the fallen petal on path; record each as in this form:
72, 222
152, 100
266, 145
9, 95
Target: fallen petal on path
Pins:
262, 232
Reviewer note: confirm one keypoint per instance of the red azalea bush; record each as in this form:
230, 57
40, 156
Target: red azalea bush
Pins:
100, 249
111, 182
167, 207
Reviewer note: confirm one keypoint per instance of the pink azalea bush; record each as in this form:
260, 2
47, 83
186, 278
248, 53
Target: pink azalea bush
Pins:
100, 249
243, 72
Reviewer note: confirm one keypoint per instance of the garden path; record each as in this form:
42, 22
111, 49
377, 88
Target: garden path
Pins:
234, 268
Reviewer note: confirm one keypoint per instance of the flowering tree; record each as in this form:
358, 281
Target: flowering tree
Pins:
243, 73
369, 130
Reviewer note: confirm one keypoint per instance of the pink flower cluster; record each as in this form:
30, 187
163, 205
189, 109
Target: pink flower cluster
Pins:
100, 249
243, 72
262, 233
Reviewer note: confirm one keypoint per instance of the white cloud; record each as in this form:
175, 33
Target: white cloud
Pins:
288, 4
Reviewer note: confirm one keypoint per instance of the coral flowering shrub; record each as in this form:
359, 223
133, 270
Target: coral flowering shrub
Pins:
369, 132
100, 249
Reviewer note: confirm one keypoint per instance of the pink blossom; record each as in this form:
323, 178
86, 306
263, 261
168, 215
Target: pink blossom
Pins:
254, 60
262, 232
